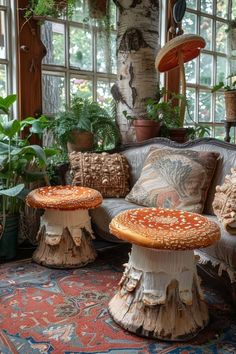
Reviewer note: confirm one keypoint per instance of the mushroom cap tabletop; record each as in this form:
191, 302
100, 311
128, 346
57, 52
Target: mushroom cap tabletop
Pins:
165, 229
64, 198
168, 56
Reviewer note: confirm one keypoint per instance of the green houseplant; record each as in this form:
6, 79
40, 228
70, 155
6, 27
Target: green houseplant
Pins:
85, 121
20, 163
229, 88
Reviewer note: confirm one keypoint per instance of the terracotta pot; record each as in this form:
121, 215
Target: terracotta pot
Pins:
180, 135
146, 129
81, 141
230, 105
97, 8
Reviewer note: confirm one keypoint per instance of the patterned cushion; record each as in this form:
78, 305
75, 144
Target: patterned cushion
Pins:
107, 173
175, 179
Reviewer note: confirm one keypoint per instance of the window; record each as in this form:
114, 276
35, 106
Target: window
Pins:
209, 19
79, 60
7, 48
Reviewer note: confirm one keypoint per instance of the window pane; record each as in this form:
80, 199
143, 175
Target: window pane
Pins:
189, 23
205, 106
207, 6
219, 108
192, 4
221, 37
206, 69
53, 93
233, 8
190, 70
220, 132
82, 87
80, 48
80, 11
206, 31
106, 53
221, 65
233, 66
222, 8
3, 80
190, 112
53, 37
2, 35
104, 96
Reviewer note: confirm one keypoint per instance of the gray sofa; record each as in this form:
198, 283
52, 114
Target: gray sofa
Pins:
217, 261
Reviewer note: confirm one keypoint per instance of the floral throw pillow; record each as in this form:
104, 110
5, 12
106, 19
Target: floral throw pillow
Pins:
175, 179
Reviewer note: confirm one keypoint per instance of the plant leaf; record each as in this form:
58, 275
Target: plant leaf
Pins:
12, 192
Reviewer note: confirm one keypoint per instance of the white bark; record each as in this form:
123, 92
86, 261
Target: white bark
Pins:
160, 295
65, 239
138, 34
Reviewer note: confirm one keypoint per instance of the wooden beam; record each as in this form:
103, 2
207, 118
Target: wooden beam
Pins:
30, 54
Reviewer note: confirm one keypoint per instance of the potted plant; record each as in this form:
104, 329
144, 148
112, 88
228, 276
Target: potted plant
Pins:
85, 126
20, 163
148, 125
229, 88
231, 30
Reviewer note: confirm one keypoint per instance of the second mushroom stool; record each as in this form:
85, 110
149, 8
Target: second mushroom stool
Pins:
65, 234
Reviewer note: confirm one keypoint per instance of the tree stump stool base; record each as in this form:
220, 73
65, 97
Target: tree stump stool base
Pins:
65, 234
157, 304
160, 294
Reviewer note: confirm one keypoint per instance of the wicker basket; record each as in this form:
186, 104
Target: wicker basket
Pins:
230, 105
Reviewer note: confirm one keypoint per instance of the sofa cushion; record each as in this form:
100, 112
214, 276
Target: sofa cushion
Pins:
175, 179
107, 173
102, 216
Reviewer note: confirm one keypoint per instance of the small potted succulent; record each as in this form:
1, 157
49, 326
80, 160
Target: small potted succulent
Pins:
229, 88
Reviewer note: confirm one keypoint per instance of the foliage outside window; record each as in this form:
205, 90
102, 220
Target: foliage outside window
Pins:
210, 20
7, 46
78, 60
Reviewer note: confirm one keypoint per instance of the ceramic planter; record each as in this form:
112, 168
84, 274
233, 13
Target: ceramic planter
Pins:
230, 105
180, 135
81, 141
8, 240
146, 129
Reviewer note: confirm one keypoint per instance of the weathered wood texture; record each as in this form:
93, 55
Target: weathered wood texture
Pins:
30, 53
137, 46
62, 246
158, 303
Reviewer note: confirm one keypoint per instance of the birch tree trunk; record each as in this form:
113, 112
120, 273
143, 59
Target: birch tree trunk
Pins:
137, 46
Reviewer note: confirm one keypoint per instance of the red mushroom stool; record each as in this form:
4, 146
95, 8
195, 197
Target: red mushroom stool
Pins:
65, 233
160, 295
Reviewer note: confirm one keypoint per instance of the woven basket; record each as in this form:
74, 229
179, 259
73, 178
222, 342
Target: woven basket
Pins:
230, 105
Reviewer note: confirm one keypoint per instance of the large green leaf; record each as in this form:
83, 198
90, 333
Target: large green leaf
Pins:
35, 150
12, 192
5, 103
10, 128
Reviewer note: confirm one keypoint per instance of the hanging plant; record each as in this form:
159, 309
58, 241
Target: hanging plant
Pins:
53, 8
97, 8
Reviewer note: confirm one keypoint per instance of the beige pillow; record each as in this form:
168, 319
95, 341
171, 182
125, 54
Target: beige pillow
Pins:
107, 173
176, 179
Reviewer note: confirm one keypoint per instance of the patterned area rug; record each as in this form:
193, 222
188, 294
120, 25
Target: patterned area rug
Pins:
46, 310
